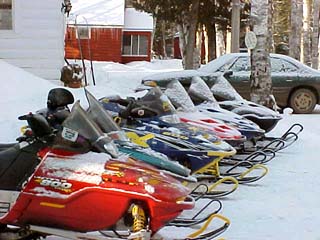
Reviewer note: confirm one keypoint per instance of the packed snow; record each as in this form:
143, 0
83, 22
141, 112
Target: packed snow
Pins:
283, 205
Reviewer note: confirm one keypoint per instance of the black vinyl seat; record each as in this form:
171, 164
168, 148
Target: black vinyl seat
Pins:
5, 146
16, 166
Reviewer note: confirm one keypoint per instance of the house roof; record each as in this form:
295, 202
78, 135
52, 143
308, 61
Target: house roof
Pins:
136, 21
97, 12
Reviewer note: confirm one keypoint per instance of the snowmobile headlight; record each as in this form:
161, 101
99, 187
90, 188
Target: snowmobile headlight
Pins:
180, 200
150, 83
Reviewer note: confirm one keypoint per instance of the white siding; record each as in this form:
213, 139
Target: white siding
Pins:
37, 41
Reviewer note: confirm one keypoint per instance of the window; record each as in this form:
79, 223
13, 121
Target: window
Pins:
280, 65
6, 15
128, 3
241, 65
135, 45
83, 32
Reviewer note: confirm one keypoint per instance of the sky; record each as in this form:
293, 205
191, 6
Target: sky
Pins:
282, 205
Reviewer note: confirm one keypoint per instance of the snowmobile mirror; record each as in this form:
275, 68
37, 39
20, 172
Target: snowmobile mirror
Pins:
38, 124
228, 73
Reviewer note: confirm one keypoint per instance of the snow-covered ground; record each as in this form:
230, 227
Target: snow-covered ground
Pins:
283, 205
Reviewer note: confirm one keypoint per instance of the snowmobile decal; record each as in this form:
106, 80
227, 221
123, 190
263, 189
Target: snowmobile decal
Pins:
62, 185
141, 141
175, 135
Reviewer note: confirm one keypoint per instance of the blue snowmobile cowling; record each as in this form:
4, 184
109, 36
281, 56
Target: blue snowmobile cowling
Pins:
205, 102
156, 125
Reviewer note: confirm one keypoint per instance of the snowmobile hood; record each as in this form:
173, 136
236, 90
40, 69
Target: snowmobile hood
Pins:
188, 113
218, 127
247, 108
205, 102
122, 175
143, 179
184, 137
232, 119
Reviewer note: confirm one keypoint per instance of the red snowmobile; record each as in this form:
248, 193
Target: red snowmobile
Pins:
68, 190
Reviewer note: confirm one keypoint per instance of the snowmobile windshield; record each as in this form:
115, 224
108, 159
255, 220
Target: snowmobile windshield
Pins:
200, 92
224, 91
158, 102
103, 119
79, 130
179, 97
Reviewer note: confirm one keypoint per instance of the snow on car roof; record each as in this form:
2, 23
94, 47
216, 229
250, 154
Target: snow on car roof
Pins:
215, 64
173, 75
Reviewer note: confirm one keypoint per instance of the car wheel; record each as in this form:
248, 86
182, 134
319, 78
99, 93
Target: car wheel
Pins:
303, 100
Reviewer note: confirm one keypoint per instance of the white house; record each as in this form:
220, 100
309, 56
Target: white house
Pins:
32, 35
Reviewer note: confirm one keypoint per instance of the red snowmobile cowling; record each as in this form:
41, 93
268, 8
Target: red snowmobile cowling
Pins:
91, 191
223, 131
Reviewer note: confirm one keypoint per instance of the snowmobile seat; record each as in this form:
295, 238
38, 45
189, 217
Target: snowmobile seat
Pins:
15, 166
5, 146
59, 97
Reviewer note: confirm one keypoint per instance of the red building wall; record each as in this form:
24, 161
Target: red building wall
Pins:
105, 44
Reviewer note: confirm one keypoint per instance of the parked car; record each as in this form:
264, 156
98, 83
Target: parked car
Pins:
295, 85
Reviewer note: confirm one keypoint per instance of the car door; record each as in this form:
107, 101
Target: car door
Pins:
240, 77
284, 76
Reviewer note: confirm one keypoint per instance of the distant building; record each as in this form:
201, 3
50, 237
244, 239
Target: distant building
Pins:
108, 30
32, 35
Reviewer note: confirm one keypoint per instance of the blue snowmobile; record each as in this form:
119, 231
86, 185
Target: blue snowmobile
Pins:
152, 121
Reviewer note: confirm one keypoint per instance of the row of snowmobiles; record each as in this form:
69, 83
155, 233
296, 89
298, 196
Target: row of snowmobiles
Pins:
126, 168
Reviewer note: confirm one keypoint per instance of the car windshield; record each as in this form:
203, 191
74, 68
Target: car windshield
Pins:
200, 92
223, 90
179, 96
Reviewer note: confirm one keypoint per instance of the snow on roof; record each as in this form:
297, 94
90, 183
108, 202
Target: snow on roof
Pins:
136, 20
98, 12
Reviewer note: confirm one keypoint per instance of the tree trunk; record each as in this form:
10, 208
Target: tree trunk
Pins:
154, 31
281, 20
315, 35
191, 35
173, 32
261, 84
235, 26
182, 43
212, 39
163, 33
307, 33
296, 26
